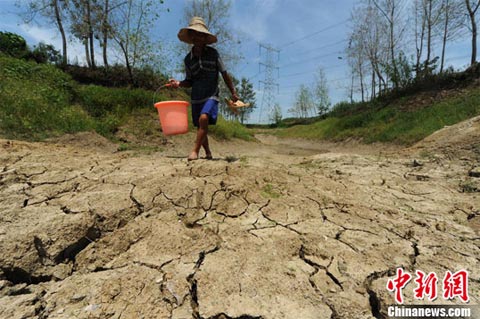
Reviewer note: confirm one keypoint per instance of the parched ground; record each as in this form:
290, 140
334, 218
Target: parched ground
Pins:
269, 229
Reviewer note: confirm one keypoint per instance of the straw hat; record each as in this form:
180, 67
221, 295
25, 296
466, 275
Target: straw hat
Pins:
196, 24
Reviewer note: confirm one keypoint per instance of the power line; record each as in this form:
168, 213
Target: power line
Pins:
329, 81
314, 33
311, 59
306, 73
320, 48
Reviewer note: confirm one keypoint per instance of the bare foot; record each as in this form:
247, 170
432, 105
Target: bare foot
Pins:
208, 156
193, 156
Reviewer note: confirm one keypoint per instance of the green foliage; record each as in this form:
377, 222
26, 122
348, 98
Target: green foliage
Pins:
391, 124
117, 76
36, 101
320, 92
46, 53
469, 186
247, 95
401, 74
99, 101
13, 44
345, 108
304, 104
229, 129
427, 68
29, 71
40, 101
276, 116
268, 191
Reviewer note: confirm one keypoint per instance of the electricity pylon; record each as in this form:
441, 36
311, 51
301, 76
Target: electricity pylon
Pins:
269, 58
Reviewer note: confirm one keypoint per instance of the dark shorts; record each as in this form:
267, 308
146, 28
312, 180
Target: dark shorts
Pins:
209, 107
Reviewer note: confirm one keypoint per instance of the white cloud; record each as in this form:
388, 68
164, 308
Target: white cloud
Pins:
252, 20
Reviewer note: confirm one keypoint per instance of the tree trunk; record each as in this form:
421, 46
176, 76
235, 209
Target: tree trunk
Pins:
90, 34
474, 41
392, 47
105, 34
351, 89
445, 34
87, 53
381, 80
428, 15
419, 46
372, 96
471, 13
360, 70
127, 62
62, 32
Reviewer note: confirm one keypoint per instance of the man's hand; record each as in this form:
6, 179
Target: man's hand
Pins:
174, 83
235, 97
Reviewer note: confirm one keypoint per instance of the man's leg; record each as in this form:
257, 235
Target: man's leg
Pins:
206, 147
201, 136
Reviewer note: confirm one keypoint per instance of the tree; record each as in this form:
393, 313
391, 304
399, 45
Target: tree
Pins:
472, 8
104, 29
420, 26
46, 53
54, 12
356, 52
450, 25
13, 44
129, 25
83, 17
247, 95
104, 9
320, 92
216, 14
392, 12
276, 116
432, 11
303, 103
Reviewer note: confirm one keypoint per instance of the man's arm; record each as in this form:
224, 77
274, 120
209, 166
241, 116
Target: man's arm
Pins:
229, 83
185, 84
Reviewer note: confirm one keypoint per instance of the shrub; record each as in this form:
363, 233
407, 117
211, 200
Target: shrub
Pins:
116, 76
345, 108
98, 101
230, 129
13, 44
46, 53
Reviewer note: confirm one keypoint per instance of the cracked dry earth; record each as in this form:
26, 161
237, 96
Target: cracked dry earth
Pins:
282, 232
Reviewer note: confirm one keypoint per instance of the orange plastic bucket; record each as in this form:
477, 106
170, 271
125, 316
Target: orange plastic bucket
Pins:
173, 117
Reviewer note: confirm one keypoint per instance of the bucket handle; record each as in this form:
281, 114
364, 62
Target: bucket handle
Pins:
166, 85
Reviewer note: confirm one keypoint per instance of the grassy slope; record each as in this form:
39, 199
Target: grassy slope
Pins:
391, 123
41, 101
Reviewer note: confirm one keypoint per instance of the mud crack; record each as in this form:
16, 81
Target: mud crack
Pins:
193, 290
374, 300
317, 267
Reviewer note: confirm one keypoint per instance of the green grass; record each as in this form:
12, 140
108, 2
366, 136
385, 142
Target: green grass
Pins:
36, 101
41, 101
268, 191
99, 101
470, 186
391, 124
226, 130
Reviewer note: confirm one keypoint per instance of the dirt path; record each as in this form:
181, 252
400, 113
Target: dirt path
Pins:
267, 230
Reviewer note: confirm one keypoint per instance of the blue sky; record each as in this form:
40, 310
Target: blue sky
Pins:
308, 33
